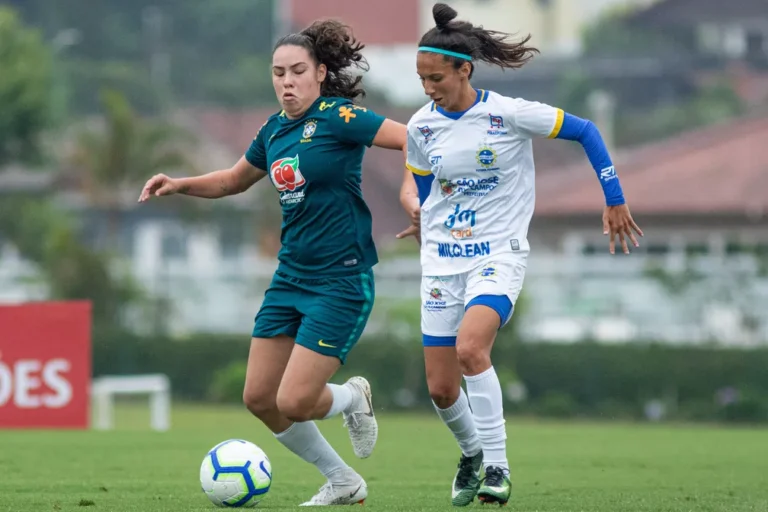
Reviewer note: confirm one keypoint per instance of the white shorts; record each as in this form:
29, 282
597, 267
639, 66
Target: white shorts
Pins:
445, 298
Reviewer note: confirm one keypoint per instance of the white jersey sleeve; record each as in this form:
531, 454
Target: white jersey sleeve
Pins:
533, 119
417, 161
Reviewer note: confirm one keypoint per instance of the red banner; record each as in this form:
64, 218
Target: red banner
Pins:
45, 365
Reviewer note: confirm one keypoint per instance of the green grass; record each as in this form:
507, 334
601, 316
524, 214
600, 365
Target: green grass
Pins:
556, 466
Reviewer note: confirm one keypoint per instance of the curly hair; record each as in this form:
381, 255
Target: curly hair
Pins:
332, 43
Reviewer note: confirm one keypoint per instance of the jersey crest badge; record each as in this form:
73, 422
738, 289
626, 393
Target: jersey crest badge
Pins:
486, 157
309, 130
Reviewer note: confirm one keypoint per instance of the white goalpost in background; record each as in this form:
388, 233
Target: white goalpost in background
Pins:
157, 386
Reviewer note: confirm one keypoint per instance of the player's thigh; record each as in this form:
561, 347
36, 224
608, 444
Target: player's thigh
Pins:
267, 362
442, 309
491, 292
336, 314
275, 328
304, 381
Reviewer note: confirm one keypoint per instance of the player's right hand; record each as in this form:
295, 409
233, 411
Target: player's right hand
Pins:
158, 185
411, 230
414, 213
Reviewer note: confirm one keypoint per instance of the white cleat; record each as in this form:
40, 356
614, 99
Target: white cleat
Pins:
353, 493
360, 421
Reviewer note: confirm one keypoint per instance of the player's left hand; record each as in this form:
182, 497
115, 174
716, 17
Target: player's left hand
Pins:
411, 230
617, 221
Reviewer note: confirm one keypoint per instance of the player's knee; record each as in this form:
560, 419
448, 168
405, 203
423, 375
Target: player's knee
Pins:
443, 394
294, 407
473, 357
258, 403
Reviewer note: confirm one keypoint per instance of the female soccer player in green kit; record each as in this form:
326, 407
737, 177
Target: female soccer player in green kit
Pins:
322, 292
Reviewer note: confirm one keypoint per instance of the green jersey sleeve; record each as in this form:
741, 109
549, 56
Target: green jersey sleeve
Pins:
257, 152
355, 124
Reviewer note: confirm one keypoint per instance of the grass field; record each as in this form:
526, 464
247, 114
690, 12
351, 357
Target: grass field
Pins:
556, 466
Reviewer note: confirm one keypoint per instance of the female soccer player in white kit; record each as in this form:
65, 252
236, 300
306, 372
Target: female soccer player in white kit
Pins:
469, 184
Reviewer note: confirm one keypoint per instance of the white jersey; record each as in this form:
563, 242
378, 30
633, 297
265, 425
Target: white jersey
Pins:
482, 198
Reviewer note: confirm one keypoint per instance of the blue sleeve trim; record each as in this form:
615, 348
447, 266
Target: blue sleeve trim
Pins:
438, 341
424, 184
586, 133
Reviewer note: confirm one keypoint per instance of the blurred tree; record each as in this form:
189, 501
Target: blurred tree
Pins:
46, 237
124, 153
25, 89
611, 36
158, 51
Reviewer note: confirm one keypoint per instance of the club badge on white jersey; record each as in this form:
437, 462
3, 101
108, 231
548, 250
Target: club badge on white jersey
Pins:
482, 198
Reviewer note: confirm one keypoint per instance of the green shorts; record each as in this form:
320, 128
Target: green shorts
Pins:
326, 315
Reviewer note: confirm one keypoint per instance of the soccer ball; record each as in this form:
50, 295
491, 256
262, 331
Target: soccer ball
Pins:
236, 473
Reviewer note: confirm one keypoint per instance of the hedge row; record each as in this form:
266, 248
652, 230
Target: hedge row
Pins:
584, 379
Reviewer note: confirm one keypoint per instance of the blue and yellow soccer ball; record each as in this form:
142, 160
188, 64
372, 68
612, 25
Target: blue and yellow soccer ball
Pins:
236, 473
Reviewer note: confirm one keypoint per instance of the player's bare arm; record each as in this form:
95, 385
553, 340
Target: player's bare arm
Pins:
216, 184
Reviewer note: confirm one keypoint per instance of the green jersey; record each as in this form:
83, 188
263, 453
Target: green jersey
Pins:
315, 163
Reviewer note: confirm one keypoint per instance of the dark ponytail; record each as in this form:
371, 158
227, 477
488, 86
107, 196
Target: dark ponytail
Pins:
483, 45
331, 43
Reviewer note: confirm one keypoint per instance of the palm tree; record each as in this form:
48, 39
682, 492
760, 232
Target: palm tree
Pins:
112, 162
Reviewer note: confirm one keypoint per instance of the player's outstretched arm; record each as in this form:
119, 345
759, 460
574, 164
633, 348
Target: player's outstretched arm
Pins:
617, 220
213, 185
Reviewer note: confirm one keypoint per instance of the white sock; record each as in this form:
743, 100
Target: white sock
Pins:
484, 392
305, 440
342, 400
458, 418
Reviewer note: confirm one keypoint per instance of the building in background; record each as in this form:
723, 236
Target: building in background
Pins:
700, 275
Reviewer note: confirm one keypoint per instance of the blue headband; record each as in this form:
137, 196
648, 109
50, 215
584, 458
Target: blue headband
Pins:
445, 52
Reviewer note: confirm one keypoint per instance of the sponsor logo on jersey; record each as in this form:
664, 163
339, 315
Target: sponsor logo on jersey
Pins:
288, 180
461, 223
427, 132
309, 130
468, 250
473, 187
497, 125
435, 301
488, 272
608, 174
486, 157
435, 163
